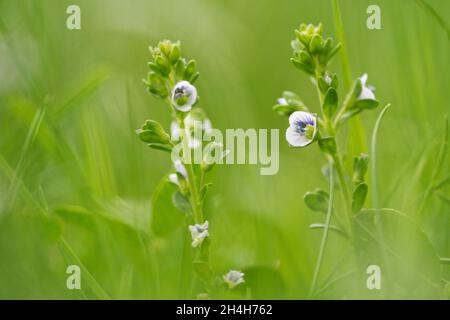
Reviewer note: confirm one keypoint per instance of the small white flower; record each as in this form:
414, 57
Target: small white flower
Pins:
366, 91
302, 129
179, 167
233, 278
328, 79
282, 101
184, 96
198, 233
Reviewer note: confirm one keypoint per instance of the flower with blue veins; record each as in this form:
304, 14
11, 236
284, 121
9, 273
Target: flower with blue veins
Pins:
184, 95
302, 129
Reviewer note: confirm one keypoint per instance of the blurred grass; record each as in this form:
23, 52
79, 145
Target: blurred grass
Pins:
70, 101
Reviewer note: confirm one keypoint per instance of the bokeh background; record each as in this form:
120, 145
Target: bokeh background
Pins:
76, 183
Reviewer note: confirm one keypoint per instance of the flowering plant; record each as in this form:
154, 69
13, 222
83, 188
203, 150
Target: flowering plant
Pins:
371, 232
171, 78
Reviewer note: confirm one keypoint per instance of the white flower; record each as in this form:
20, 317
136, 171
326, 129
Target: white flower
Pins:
282, 101
198, 233
179, 167
302, 129
366, 91
328, 79
184, 96
233, 278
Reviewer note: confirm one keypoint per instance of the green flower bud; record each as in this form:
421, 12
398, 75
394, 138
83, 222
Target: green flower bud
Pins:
153, 133
360, 165
165, 47
175, 54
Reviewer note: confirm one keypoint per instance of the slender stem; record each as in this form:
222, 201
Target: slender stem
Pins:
325, 234
195, 199
375, 198
345, 192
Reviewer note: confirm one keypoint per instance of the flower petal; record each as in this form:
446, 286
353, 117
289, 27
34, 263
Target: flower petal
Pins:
296, 139
301, 116
366, 94
174, 179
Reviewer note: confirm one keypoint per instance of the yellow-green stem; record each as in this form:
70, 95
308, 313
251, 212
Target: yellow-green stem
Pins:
197, 210
345, 192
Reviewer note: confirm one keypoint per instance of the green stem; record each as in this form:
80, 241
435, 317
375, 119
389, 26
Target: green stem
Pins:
345, 192
197, 207
324, 235
375, 198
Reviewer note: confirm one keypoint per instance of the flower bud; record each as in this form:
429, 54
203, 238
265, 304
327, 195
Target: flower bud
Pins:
152, 132
360, 165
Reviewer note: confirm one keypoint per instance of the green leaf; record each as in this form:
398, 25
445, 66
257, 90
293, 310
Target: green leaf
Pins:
330, 102
294, 100
194, 77
353, 94
359, 197
303, 67
204, 190
347, 115
315, 46
366, 104
175, 54
323, 85
153, 132
163, 65
190, 69
181, 202
333, 51
156, 69
317, 200
161, 147
284, 110
165, 218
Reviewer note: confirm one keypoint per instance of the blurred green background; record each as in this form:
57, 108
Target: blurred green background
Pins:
71, 165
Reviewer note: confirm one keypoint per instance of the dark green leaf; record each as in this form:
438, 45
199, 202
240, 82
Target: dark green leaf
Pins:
181, 202
330, 102
366, 104
359, 197
317, 200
